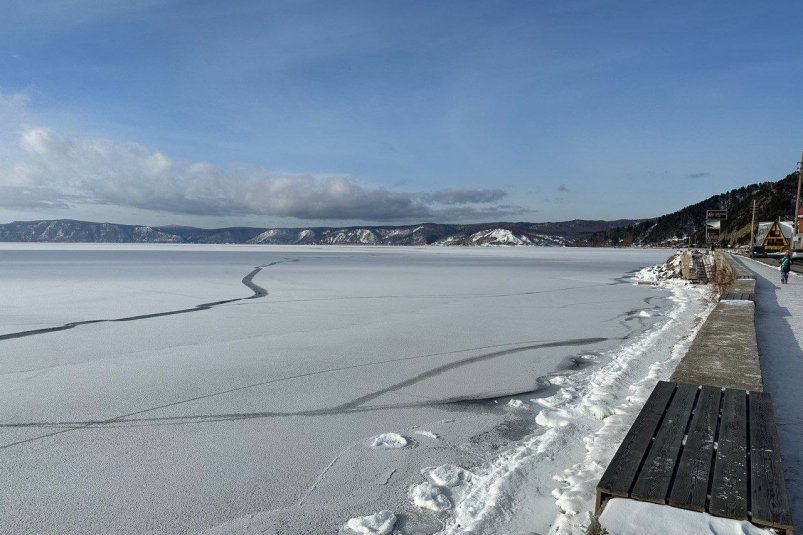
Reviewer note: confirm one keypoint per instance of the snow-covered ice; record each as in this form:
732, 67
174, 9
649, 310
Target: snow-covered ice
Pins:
258, 414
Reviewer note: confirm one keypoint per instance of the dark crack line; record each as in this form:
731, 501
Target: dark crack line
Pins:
74, 426
354, 406
350, 407
248, 281
465, 362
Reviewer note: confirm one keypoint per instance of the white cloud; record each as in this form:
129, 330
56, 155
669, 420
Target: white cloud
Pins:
466, 196
51, 169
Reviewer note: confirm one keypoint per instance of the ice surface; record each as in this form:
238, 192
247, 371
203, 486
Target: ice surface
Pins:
630, 517
256, 415
380, 523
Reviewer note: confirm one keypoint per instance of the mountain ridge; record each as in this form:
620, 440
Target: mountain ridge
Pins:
497, 233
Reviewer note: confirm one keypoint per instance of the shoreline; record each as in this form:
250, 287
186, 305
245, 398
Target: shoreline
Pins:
594, 407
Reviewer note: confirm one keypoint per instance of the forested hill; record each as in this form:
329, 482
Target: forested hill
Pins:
773, 200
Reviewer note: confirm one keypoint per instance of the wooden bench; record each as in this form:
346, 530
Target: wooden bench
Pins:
703, 448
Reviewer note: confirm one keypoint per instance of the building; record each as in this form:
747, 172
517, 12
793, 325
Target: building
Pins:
774, 236
797, 241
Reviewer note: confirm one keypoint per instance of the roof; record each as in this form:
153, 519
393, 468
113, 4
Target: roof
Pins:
764, 228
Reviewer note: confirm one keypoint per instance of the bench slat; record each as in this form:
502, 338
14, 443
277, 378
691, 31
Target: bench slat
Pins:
691, 483
623, 468
770, 506
653, 482
729, 487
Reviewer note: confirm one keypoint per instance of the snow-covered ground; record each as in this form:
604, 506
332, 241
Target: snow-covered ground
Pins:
779, 332
629, 517
420, 390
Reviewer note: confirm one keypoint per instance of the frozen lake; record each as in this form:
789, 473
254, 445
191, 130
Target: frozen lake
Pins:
258, 413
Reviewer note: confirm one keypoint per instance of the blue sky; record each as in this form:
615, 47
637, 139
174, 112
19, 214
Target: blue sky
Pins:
294, 113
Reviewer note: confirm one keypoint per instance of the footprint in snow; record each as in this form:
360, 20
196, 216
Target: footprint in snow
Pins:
389, 441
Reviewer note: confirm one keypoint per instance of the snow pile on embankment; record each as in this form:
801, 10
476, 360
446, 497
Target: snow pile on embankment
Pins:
669, 270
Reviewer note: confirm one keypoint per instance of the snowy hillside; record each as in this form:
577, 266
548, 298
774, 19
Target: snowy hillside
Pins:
501, 236
66, 230
483, 234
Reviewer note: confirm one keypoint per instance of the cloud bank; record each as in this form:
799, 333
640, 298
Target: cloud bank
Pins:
50, 169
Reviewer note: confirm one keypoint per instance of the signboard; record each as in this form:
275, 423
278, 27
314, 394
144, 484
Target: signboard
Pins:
713, 223
716, 214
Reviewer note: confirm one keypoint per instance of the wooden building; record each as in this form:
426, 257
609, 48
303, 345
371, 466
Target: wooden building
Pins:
774, 236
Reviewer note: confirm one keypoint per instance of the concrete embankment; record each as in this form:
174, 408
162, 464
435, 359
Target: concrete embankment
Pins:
725, 352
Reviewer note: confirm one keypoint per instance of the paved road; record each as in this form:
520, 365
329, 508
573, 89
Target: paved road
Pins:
797, 265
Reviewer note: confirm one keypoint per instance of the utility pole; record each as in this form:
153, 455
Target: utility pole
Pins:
752, 227
796, 219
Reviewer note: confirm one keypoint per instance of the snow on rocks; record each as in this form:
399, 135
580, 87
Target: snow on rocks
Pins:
389, 441
447, 475
380, 523
428, 434
428, 496
661, 272
517, 404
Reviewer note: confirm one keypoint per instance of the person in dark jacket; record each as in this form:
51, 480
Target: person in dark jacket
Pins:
786, 266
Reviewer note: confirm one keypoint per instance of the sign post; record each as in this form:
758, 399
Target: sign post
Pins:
713, 223
796, 234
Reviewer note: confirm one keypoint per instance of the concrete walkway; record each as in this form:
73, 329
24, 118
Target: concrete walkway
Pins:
724, 352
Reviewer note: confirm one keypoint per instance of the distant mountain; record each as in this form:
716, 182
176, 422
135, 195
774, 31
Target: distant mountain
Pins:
483, 234
67, 230
773, 200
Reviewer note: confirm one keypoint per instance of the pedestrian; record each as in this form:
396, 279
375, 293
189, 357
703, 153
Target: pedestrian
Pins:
785, 266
